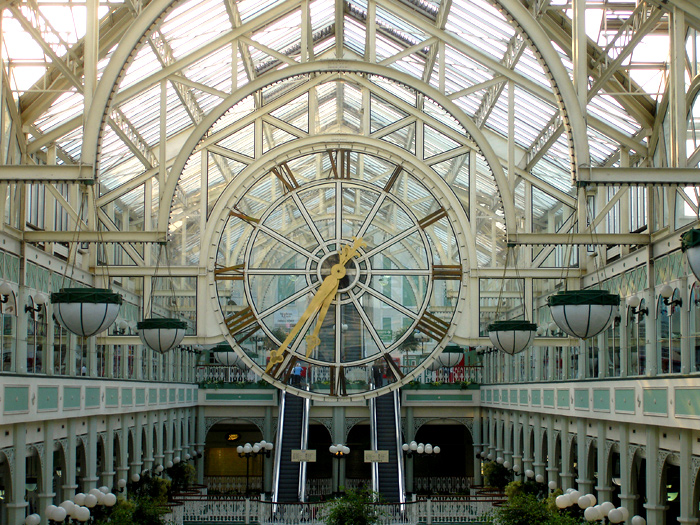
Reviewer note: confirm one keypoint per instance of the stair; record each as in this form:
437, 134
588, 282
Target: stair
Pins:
389, 485
288, 472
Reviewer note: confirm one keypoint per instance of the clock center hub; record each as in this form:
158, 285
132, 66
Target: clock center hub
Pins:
347, 275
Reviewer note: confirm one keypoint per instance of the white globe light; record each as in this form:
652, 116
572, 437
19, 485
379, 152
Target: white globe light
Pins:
606, 507
529, 473
404, 447
32, 519
516, 468
552, 485
592, 514
615, 516
49, 510
333, 449
562, 501
121, 483
109, 500
67, 505
506, 464
428, 449
247, 448
59, 514
90, 501
436, 449
499, 460
85, 311
420, 448
169, 464
96, 492
239, 449
625, 513
187, 456
539, 478
79, 499
104, 489
413, 445
490, 456
161, 468
135, 478
256, 448
638, 520
575, 495
83, 514
584, 502
268, 445
346, 450
592, 498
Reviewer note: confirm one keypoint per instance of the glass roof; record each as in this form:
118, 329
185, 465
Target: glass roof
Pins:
206, 62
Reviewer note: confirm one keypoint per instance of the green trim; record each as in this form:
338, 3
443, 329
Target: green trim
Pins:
234, 397
453, 349
428, 397
624, 400
583, 297
16, 399
655, 401
690, 239
160, 323
92, 397
112, 397
47, 398
519, 324
86, 295
601, 399
688, 402
71, 397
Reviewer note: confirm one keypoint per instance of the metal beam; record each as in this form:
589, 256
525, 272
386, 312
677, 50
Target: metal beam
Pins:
62, 173
96, 237
152, 271
643, 176
610, 239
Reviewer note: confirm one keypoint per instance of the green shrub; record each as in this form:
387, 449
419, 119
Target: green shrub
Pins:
495, 475
355, 508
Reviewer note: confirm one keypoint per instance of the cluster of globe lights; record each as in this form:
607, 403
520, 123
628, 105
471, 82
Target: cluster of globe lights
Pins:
158, 469
420, 448
595, 512
529, 473
339, 450
261, 446
78, 508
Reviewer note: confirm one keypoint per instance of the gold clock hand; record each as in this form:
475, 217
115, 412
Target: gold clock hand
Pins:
329, 285
328, 289
313, 340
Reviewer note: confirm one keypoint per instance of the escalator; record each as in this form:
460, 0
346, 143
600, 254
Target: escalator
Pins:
289, 479
388, 478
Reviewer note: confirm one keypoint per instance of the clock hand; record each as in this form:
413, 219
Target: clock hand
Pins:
327, 290
346, 253
329, 284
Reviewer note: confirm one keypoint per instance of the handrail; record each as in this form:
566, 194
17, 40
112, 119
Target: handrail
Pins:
373, 442
304, 445
278, 447
399, 453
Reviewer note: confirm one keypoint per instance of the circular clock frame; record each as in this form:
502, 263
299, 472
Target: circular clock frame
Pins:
339, 373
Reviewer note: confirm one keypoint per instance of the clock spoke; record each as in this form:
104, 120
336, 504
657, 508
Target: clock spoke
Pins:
368, 324
389, 242
310, 222
290, 244
371, 215
297, 295
383, 298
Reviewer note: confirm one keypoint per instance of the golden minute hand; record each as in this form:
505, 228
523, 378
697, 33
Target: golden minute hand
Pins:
328, 286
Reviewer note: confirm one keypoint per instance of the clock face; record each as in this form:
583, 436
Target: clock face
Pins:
338, 274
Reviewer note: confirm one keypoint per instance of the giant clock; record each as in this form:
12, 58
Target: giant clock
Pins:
338, 273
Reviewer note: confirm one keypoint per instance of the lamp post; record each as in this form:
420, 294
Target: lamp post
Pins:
421, 450
339, 452
248, 451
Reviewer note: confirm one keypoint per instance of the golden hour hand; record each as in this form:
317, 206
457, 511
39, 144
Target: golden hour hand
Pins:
319, 302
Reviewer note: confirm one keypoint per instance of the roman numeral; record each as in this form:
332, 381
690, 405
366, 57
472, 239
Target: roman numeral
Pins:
284, 173
392, 179
246, 218
432, 326
229, 273
433, 217
391, 365
338, 383
448, 272
340, 163
242, 324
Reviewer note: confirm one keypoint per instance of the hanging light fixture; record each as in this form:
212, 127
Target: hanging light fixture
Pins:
161, 333
583, 313
86, 311
450, 356
225, 355
511, 335
690, 244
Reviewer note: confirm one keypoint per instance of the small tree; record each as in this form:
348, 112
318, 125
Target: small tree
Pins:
355, 508
495, 475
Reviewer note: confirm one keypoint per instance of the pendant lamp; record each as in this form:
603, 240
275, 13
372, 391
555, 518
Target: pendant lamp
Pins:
225, 355
161, 334
450, 356
583, 313
690, 244
86, 311
512, 336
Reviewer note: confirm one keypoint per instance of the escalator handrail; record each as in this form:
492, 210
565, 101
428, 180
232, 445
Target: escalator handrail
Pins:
278, 447
374, 442
399, 451
304, 445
